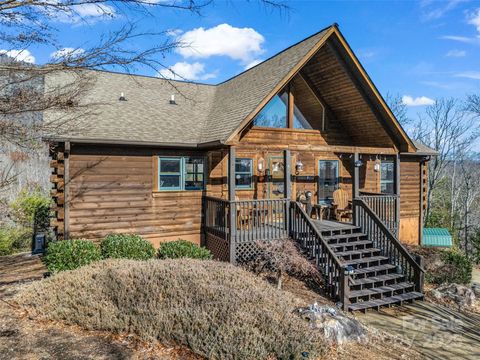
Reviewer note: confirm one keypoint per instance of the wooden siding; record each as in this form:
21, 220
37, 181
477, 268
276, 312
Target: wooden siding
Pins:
114, 194
340, 92
410, 200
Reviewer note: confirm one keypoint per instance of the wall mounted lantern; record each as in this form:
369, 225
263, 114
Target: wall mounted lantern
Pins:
299, 167
261, 165
358, 163
376, 167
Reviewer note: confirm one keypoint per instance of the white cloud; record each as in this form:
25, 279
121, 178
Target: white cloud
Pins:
434, 10
474, 75
252, 64
19, 55
456, 53
243, 44
186, 71
418, 101
474, 19
67, 52
94, 10
88, 13
462, 39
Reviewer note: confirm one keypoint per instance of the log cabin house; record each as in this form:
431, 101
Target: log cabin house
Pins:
225, 166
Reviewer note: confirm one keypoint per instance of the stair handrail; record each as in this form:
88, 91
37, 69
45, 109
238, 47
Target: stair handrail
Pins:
418, 269
344, 279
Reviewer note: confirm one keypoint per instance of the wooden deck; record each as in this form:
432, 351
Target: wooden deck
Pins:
329, 225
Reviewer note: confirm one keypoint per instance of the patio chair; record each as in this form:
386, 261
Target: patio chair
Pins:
341, 206
243, 216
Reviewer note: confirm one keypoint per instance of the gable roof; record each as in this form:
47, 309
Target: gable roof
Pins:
203, 113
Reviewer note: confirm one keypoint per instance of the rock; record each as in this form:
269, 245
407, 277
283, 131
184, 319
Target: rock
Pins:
337, 328
476, 290
462, 295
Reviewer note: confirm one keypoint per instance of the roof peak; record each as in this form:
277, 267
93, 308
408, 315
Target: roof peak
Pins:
334, 25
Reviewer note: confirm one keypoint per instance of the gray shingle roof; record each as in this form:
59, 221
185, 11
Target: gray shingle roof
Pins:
203, 113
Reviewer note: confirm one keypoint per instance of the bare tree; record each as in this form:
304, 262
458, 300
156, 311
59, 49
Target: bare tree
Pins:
24, 96
398, 108
448, 129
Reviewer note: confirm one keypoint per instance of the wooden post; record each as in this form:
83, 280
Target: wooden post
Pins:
344, 289
287, 160
232, 223
397, 192
290, 107
355, 185
419, 277
66, 187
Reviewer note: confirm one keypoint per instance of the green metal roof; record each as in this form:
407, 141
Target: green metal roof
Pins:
436, 237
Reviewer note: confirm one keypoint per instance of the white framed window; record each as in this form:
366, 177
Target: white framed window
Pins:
181, 173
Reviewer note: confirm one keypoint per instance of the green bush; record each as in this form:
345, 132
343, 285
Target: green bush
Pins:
455, 268
183, 249
32, 209
70, 254
126, 246
15, 239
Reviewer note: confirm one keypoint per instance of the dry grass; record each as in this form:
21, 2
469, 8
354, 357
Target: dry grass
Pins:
217, 310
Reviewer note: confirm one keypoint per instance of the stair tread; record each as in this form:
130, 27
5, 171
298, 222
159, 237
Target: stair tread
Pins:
343, 236
374, 268
354, 252
362, 242
385, 301
363, 260
379, 278
381, 289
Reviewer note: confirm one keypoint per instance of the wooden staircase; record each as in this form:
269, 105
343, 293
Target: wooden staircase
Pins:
375, 281
364, 266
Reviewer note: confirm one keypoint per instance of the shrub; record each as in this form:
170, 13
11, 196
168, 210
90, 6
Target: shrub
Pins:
32, 208
183, 249
454, 267
6, 243
14, 239
70, 254
218, 310
283, 256
126, 246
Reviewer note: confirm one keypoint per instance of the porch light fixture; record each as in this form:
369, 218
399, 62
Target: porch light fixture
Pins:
261, 165
276, 167
376, 167
299, 166
358, 163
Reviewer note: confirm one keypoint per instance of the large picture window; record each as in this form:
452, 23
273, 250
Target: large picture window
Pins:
181, 173
243, 173
387, 177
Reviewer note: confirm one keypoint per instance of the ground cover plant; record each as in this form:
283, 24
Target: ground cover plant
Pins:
218, 310
128, 246
182, 249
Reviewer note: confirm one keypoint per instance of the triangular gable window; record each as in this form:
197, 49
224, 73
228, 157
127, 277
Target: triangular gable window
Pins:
275, 113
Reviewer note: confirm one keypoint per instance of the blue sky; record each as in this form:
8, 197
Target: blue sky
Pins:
418, 49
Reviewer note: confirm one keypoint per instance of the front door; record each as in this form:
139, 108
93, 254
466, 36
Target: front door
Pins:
276, 179
327, 180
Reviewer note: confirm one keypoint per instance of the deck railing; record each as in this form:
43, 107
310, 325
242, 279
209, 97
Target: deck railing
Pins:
386, 208
384, 239
306, 234
260, 219
244, 222
215, 216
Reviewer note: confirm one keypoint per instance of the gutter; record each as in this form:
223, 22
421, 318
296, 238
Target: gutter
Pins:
206, 145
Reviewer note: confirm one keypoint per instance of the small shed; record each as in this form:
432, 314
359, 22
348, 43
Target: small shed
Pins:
439, 237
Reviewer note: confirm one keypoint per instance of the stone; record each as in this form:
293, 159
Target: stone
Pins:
461, 295
336, 326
